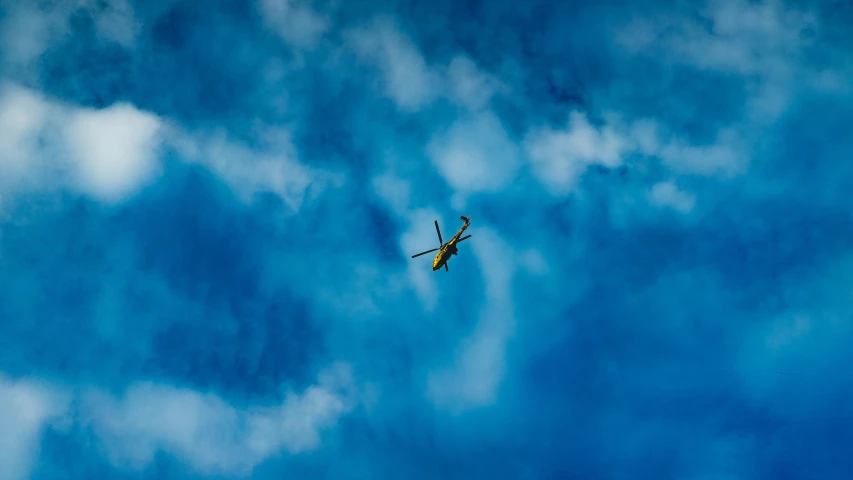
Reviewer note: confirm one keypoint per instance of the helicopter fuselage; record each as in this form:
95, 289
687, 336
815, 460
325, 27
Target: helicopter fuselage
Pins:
447, 250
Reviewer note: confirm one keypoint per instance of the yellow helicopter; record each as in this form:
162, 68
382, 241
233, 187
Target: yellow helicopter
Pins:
446, 250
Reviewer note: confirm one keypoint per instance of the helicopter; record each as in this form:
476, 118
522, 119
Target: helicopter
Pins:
446, 250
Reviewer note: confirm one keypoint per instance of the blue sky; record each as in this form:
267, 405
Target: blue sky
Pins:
207, 211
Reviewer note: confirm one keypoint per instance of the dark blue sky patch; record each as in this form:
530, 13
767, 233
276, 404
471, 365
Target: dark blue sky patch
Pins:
800, 160
204, 66
195, 237
247, 355
86, 70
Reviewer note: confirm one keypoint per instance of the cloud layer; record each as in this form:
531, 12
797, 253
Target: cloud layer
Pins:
207, 214
211, 435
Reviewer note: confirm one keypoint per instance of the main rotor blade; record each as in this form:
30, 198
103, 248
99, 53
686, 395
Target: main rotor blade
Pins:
439, 233
463, 238
422, 253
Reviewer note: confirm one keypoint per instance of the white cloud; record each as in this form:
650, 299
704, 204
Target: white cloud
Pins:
30, 28
474, 380
294, 22
725, 157
764, 42
475, 154
27, 32
735, 35
213, 436
111, 153
271, 167
25, 409
395, 191
469, 85
108, 154
475, 377
410, 81
560, 157
748, 36
533, 262
765, 45
646, 135
668, 194
115, 149
115, 20
406, 77
22, 116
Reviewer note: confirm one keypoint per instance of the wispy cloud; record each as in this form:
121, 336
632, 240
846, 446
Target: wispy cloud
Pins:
479, 365
204, 205
211, 435
475, 154
26, 409
271, 167
111, 153
296, 23
560, 157
668, 194
470, 85
405, 76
